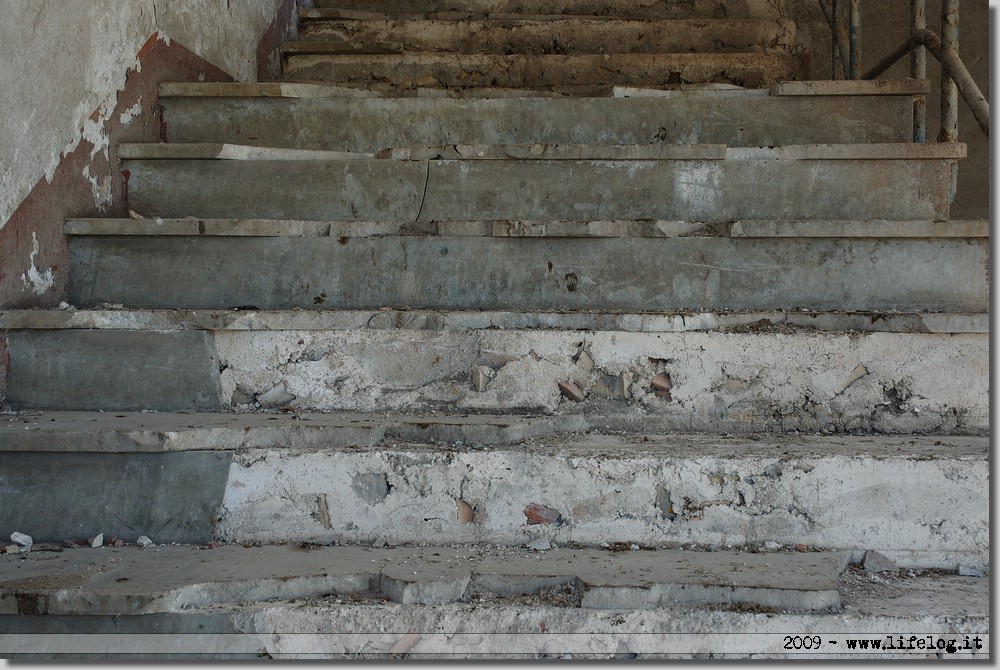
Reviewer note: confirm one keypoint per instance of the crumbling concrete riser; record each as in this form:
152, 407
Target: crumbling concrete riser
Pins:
704, 381
917, 508
448, 273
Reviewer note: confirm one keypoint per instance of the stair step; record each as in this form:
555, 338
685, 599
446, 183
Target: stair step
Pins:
284, 478
172, 579
281, 115
835, 182
545, 273
558, 35
556, 229
544, 625
527, 70
726, 373
647, 9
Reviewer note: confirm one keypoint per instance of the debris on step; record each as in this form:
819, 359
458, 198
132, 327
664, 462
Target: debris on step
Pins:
22, 540
541, 544
877, 562
969, 571
144, 542
571, 391
540, 514
97, 540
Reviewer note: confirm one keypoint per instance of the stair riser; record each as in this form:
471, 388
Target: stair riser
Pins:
647, 9
753, 70
691, 273
721, 382
568, 36
918, 512
465, 190
368, 125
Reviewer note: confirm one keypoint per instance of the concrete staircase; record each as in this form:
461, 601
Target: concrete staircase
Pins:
593, 302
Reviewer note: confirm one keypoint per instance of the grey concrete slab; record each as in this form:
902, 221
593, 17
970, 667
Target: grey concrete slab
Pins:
392, 319
279, 115
131, 580
458, 190
650, 9
847, 87
531, 274
556, 35
878, 228
171, 370
752, 70
154, 432
61, 496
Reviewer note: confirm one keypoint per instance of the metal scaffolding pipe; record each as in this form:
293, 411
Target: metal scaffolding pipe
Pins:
838, 40
964, 82
949, 87
855, 47
918, 69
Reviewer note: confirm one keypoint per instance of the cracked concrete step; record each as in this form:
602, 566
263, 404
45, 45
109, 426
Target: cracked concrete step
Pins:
694, 273
172, 579
279, 115
752, 70
558, 35
951, 608
360, 229
113, 318
640, 9
819, 182
747, 378
915, 499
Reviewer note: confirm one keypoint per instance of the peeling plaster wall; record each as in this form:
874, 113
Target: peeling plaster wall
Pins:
66, 69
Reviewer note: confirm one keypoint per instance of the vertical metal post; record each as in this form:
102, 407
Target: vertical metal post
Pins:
834, 28
949, 92
855, 64
918, 69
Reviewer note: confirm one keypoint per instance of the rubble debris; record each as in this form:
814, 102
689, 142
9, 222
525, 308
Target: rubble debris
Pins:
464, 511
144, 542
969, 571
21, 539
771, 545
541, 544
97, 540
481, 377
876, 562
571, 391
540, 514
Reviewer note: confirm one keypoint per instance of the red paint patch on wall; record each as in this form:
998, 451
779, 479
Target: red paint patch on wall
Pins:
41, 215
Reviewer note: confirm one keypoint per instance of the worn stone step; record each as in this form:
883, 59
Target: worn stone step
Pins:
645, 9
277, 269
915, 499
736, 374
359, 229
546, 625
280, 115
752, 70
899, 182
555, 36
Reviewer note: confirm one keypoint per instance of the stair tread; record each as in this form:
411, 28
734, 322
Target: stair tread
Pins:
552, 152
171, 578
120, 318
561, 229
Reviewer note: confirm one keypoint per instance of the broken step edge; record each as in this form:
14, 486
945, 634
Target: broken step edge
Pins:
852, 87
811, 322
188, 576
553, 152
193, 226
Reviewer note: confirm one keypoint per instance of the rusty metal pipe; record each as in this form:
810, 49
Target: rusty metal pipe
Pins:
949, 87
839, 39
855, 47
964, 82
918, 69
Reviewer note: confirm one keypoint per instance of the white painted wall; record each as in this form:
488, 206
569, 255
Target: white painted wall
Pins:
62, 59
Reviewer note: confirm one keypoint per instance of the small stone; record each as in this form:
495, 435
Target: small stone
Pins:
144, 542
21, 539
276, 397
537, 514
802, 547
969, 571
585, 362
623, 387
571, 391
16, 549
464, 511
541, 544
634, 547
771, 545
604, 545
661, 382
481, 377
379, 543
876, 562
132, 214
97, 540
116, 542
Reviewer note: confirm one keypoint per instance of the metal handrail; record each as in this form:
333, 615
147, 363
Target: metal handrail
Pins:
964, 82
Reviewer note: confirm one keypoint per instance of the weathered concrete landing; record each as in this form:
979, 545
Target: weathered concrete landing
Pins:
133, 580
